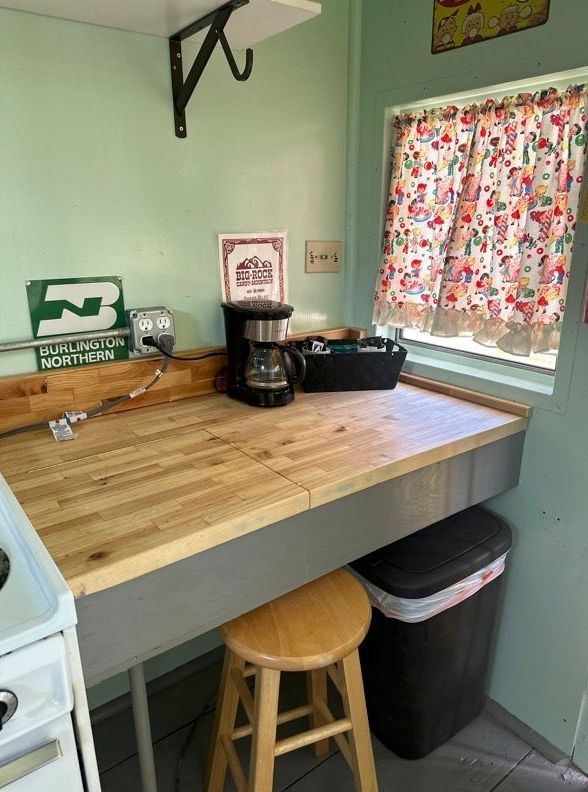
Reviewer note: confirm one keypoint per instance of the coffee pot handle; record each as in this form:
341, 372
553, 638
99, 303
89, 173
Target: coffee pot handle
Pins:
294, 363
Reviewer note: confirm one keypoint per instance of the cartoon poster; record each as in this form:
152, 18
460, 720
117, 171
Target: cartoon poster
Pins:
457, 23
253, 266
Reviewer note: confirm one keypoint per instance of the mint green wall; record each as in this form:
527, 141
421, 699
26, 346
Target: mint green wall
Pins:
541, 655
94, 181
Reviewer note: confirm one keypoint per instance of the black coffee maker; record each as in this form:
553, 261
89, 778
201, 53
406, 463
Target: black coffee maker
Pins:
262, 369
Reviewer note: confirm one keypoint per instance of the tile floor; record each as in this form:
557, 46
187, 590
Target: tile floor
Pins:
483, 757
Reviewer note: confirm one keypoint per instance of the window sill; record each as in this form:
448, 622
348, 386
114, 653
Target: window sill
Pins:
485, 376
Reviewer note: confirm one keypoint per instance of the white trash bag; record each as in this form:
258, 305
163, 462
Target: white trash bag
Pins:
417, 610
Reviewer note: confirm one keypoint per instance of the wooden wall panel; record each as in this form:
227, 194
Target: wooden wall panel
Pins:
30, 398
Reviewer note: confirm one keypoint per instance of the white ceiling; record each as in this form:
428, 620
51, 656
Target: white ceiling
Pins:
248, 25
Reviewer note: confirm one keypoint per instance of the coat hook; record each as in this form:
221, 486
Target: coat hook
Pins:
238, 75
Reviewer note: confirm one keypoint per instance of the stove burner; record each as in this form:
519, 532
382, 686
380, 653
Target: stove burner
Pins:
4, 568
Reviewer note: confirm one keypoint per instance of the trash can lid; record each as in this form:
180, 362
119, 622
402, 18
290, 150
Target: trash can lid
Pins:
438, 556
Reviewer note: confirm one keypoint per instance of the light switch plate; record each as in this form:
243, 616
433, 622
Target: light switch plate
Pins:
323, 256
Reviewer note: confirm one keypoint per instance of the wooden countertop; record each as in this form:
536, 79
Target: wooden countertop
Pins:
139, 490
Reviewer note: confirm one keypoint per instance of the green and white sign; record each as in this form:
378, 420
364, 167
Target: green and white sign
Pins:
77, 305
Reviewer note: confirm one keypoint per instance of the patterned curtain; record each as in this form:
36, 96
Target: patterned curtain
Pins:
481, 219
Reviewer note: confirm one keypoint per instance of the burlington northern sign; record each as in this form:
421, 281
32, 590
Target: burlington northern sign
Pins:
77, 305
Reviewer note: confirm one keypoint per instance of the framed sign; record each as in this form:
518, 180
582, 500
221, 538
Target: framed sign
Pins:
253, 266
457, 23
77, 305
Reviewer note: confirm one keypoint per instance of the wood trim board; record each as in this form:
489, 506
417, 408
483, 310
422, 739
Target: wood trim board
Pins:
42, 396
30, 398
507, 405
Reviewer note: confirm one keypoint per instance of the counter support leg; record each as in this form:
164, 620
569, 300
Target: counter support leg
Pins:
142, 728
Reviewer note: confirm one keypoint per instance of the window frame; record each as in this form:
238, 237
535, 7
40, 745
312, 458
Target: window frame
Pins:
542, 388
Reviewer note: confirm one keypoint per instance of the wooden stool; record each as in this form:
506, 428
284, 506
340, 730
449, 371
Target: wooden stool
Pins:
316, 628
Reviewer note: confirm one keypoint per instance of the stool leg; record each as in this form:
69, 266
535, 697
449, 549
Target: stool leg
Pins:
224, 722
265, 724
317, 691
359, 738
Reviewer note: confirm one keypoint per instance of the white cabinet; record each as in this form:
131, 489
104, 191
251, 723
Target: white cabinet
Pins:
49, 764
37, 744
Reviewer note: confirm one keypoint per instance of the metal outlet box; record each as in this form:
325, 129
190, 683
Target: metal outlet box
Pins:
148, 322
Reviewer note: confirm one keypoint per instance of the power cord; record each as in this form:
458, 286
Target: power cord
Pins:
109, 405
220, 376
165, 347
22, 429
206, 710
167, 340
128, 396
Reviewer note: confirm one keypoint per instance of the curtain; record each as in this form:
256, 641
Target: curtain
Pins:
481, 219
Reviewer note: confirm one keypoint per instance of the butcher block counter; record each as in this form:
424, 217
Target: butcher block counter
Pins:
138, 491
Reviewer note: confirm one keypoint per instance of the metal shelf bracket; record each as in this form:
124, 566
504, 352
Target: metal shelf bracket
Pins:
182, 91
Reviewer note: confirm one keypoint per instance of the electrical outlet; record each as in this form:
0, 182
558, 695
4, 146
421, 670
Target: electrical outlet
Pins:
323, 256
145, 322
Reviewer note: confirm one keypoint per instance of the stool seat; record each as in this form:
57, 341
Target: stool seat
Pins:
311, 627
316, 629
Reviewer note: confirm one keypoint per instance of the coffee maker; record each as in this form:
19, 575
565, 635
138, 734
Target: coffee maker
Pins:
262, 369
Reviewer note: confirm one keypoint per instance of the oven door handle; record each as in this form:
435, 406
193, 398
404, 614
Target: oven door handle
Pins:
27, 763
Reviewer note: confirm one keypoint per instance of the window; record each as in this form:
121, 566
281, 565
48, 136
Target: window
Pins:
465, 345
480, 221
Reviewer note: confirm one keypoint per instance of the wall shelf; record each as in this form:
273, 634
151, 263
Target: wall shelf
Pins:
205, 22
254, 22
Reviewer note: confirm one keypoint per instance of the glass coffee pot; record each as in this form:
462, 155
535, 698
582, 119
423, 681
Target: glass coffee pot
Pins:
273, 366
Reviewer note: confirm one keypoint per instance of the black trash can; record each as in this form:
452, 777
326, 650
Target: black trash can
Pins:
425, 657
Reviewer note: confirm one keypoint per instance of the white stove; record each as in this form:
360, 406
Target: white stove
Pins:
42, 694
